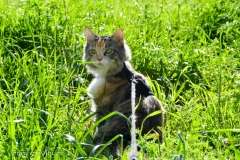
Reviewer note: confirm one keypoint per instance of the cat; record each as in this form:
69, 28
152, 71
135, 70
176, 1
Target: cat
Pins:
110, 90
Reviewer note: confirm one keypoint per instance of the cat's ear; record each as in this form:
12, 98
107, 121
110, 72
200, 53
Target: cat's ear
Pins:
90, 36
118, 36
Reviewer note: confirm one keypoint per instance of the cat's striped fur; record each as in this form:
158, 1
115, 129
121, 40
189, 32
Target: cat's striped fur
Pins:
110, 92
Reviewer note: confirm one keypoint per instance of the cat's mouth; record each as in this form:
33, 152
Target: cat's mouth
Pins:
99, 65
103, 62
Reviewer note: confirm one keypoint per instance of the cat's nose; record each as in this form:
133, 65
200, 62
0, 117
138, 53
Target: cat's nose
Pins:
99, 59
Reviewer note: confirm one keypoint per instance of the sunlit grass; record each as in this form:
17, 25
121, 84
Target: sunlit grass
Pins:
188, 49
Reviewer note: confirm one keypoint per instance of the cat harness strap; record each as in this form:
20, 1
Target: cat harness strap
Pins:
141, 87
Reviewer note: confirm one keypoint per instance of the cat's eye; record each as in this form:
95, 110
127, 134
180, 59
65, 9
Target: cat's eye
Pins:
93, 51
108, 51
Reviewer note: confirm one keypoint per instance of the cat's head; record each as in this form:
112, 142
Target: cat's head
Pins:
106, 53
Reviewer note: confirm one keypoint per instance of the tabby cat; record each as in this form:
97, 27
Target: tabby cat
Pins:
110, 90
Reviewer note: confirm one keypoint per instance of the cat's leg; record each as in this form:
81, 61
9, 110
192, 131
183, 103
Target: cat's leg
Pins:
115, 125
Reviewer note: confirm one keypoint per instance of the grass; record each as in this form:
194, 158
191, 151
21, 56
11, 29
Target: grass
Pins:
188, 49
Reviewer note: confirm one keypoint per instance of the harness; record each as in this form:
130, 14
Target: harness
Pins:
141, 87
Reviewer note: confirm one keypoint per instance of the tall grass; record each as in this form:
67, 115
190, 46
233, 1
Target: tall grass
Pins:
188, 49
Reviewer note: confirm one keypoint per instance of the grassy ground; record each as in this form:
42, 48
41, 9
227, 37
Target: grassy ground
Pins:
189, 49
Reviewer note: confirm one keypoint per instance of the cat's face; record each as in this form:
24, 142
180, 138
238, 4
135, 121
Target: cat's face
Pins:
107, 53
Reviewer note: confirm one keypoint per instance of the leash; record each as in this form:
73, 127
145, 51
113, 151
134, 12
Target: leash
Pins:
138, 88
133, 154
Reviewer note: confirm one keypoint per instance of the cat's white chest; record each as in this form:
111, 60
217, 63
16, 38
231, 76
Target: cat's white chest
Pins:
95, 86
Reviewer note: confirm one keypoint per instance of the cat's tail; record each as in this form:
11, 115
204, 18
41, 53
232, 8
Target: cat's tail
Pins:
152, 108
